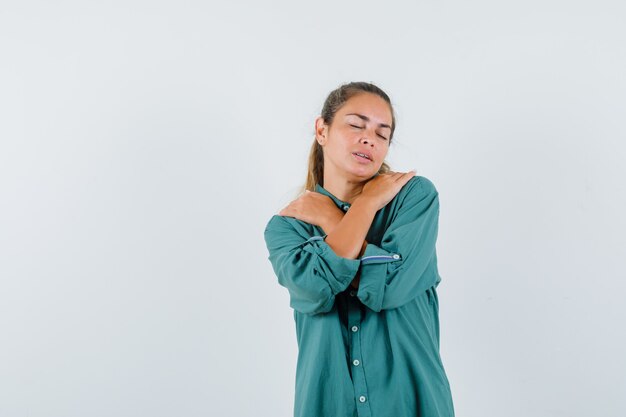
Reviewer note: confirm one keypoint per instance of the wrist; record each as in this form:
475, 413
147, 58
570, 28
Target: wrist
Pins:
367, 203
332, 221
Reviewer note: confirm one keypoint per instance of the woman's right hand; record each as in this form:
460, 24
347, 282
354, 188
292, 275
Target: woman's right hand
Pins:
383, 188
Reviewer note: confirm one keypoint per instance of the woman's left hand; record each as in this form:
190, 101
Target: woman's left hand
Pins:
314, 208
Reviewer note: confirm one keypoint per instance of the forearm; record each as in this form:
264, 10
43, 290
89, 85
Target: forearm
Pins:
362, 250
347, 238
328, 227
357, 278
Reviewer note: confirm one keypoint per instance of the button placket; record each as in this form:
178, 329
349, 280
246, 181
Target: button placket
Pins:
358, 372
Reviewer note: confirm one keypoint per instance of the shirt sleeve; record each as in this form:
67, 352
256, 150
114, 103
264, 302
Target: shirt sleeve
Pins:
307, 266
404, 265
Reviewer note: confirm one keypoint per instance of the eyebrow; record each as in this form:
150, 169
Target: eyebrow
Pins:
367, 119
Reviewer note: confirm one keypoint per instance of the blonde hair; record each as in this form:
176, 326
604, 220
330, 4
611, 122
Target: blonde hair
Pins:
335, 100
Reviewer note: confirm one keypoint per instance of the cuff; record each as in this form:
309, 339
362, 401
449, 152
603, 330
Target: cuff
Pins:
376, 263
343, 269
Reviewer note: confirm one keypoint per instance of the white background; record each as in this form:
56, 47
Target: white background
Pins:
144, 146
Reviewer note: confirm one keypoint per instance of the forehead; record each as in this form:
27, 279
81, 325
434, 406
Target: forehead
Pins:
369, 105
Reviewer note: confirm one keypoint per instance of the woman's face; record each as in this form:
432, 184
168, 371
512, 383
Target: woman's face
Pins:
362, 125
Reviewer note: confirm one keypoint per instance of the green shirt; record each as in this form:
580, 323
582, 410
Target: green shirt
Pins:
372, 352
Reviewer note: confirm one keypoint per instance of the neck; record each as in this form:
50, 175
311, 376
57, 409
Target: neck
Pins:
343, 188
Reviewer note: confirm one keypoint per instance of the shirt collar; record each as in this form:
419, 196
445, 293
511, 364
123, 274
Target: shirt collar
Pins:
344, 205
340, 203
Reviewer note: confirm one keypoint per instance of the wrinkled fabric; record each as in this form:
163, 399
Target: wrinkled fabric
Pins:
371, 352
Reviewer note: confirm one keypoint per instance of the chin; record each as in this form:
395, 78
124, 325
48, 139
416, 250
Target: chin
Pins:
363, 173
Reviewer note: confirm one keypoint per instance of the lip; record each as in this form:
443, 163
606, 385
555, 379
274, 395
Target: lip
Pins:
369, 155
361, 160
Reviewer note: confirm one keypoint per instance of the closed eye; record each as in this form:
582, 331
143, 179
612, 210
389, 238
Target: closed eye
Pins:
359, 127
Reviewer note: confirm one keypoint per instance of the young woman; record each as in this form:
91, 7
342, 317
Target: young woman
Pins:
356, 251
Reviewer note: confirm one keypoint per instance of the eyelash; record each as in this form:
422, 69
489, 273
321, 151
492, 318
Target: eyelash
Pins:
359, 127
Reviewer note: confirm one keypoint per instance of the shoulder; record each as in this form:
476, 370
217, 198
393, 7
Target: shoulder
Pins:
277, 230
419, 196
419, 186
279, 225
276, 222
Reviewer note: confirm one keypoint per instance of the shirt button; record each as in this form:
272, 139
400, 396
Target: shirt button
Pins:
352, 293
355, 328
396, 256
362, 398
356, 362
345, 208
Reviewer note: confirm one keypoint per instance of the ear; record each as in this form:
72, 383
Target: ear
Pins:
321, 130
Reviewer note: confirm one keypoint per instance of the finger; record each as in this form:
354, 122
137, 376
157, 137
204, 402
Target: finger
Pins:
411, 172
399, 176
407, 177
404, 177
